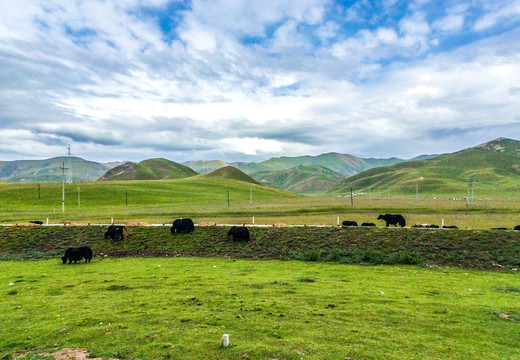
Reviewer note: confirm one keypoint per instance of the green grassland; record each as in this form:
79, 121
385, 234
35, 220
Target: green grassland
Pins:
179, 308
206, 199
151, 169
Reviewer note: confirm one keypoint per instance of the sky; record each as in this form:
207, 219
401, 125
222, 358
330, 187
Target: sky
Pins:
247, 80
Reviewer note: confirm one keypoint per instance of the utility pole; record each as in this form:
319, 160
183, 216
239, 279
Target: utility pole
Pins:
251, 197
69, 163
351, 197
63, 188
228, 198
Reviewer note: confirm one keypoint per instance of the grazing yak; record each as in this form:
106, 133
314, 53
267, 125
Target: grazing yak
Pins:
392, 219
76, 254
517, 227
116, 232
368, 224
182, 226
450, 227
349, 223
238, 233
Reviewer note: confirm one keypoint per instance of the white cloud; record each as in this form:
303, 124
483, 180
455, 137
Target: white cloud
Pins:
245, 80
450, 23
493, 17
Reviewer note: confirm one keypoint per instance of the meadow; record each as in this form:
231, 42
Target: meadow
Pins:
230, 201
158, 296
179, 308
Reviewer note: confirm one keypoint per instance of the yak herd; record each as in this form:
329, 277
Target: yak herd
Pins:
236, 233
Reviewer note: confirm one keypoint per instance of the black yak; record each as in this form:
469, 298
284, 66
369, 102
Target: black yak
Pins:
517, 227
76, 254
392, 219
368, 224
116, 232
182, 226
349, 223
238, 233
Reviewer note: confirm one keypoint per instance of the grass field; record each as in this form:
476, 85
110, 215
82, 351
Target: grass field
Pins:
207, 200
179, 308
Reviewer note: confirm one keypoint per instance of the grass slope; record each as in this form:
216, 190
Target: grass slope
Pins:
44, 171
342, 164
489, 249
312, 179
230, 173
179, 308
151, 169
448, 172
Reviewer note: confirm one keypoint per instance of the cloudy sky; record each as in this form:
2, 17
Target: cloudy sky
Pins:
246, 80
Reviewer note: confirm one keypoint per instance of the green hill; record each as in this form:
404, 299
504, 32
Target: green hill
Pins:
312, 179
152, 169
230, 173
205, 166
48, 170
493, 165
339, 163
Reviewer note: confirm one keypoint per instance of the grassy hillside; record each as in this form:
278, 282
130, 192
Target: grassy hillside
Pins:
152, 169
143, 200
448, 173
205, 166
489, 249
342, 164
44, 171
230, 173
312, 179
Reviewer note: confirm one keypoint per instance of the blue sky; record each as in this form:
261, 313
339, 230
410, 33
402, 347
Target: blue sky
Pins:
248, 80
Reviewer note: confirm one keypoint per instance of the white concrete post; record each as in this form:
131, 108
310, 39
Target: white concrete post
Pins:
338, 220
253, 219
225, 340
442, 223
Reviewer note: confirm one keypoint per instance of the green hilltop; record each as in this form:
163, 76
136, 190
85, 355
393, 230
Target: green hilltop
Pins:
302, 179
495, 164
151, 169
229, 173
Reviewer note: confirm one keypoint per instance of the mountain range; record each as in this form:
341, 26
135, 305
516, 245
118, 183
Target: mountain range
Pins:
495, 161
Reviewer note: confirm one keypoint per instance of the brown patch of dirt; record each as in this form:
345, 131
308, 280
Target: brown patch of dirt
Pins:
300, 351
280, 225
207, 223
75, 354
25, 224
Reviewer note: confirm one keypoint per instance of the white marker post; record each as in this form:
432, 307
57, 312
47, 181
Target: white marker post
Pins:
225, 340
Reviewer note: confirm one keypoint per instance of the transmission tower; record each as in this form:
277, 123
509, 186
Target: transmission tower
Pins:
69, 164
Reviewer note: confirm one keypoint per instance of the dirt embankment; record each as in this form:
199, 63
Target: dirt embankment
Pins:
480, 249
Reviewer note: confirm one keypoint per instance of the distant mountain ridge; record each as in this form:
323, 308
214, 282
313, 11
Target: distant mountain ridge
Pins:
494, 164
301, 174
48, 170
496, 161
